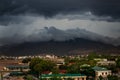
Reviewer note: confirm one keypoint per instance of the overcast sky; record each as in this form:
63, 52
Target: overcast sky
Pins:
24, 20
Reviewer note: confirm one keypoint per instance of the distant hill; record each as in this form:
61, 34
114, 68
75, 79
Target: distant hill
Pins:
70, 47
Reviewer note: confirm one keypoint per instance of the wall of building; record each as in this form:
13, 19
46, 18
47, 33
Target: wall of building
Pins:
103, 73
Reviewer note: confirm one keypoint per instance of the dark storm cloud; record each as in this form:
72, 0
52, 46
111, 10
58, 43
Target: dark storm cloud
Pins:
52, 7
17, 15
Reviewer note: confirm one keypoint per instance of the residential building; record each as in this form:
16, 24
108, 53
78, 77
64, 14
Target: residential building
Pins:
17, 68
100, 71
106, 63
64, 76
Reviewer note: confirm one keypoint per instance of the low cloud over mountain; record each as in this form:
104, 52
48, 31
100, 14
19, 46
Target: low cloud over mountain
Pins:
17, 35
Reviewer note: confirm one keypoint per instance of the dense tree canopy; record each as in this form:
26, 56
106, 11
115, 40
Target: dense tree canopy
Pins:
38, 65
110, 77
118, 62
26, 60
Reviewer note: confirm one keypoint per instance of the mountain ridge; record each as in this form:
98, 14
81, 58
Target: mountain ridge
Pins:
69, 47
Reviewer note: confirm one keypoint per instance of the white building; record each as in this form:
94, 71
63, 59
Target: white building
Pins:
106, 63
99, 71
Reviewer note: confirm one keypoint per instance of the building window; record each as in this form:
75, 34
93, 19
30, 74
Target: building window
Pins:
102, 73
106, 73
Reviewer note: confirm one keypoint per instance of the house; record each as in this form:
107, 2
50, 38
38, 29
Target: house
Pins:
106, 63
64, 76
85, 65
17, 68
100, 59
100, 71
47, 72
62, 71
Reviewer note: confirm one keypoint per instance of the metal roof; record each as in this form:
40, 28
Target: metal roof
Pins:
17, 66
61, 75
96, 68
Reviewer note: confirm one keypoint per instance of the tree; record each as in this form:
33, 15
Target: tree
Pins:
110, 77
101, 78
26, 60
113, 68
91, 62
75, 68
92, 55
55, 70
118, 62
34, 62
63, 67
88, 71
55, 78
29, 77
38, 65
